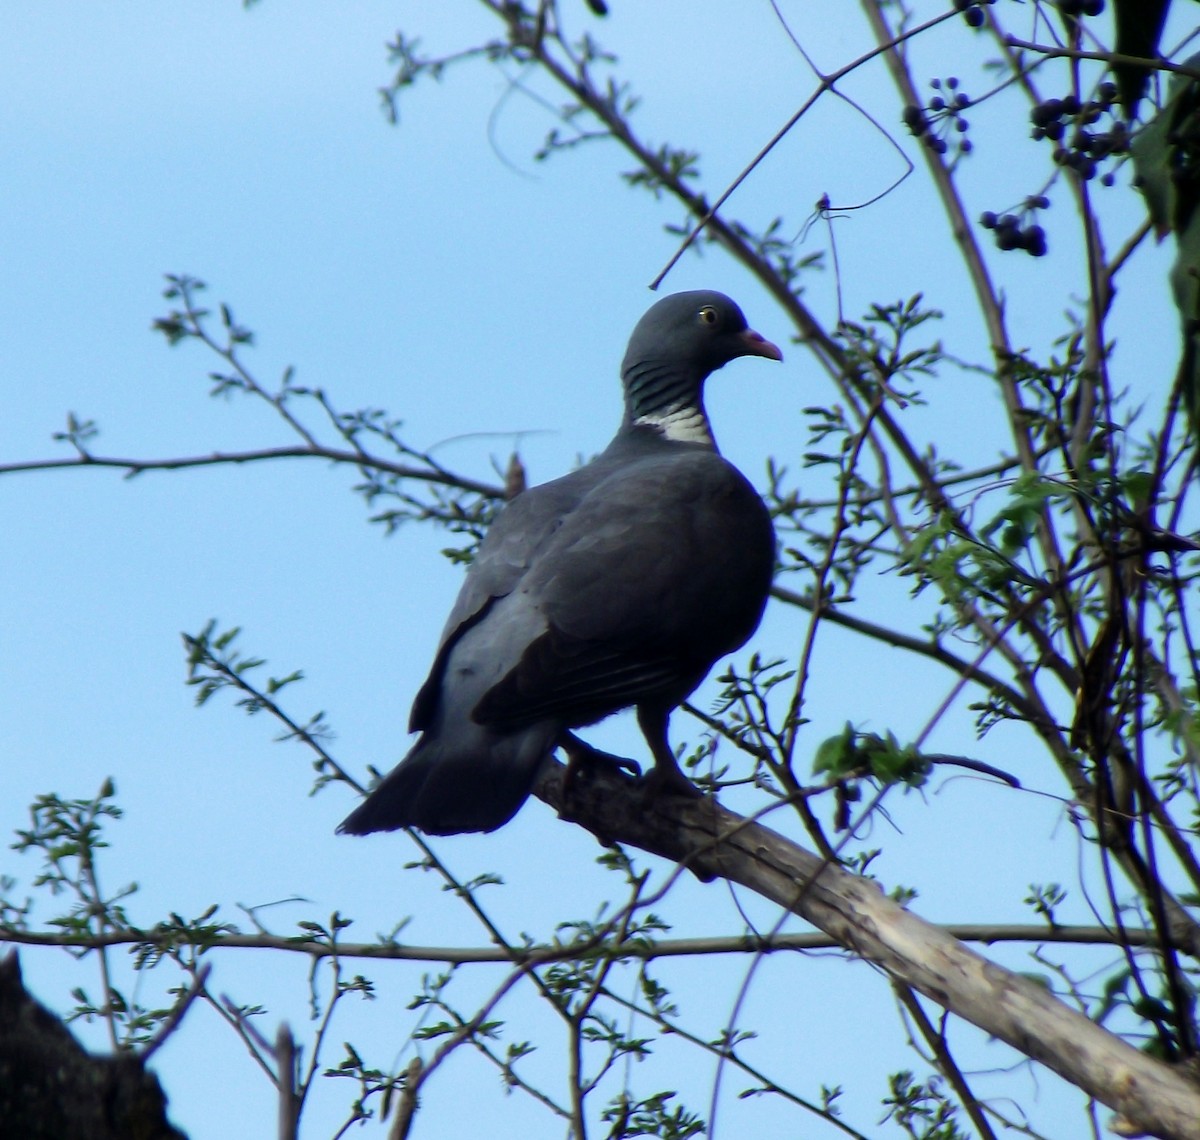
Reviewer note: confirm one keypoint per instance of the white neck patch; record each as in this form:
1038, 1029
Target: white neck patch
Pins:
681, 425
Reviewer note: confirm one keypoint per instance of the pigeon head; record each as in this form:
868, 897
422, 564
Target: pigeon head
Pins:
674, 347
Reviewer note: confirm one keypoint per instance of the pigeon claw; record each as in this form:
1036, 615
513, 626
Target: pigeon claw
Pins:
582, 755
664, 780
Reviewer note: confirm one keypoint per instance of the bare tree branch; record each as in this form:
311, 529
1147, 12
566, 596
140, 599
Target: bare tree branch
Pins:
638, 948
133, 467
713, 842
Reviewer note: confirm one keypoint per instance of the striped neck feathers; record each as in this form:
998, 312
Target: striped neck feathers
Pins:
670, 401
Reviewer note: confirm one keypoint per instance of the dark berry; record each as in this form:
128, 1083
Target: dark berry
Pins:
974, 17
961, 101
966, 146
1092, 7
1054, 130
1043, 114
988, 219
1107, 178
938, 146
1107, 94
1070, 105
1033, 241
952, 82
937, 103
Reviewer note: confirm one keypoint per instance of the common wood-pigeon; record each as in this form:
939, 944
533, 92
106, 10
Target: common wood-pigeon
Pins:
617, 585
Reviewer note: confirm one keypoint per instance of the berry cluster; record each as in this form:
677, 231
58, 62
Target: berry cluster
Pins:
1071, 124
943, 117
1010, 231
972, 10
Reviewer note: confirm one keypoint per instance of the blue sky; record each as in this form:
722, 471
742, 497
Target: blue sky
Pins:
436, 270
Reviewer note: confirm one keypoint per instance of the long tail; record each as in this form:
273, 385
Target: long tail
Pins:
444, 791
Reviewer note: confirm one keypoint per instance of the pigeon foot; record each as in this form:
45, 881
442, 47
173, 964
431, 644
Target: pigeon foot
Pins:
668, 781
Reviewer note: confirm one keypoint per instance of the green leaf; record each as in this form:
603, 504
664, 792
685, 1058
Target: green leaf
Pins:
837, 754
1137, 485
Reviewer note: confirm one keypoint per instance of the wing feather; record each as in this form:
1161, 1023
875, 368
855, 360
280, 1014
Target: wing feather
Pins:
620, 585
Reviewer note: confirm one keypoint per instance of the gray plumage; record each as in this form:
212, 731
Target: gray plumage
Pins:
617, 585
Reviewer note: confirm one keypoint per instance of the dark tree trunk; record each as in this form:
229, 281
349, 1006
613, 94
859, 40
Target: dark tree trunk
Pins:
51, 1088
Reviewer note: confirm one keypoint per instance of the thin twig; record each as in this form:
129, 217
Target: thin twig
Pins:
826, 83
638, 948
173, 1020
132, 467
944, 1059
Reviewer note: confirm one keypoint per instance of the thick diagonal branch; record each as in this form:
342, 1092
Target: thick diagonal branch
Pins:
855, 912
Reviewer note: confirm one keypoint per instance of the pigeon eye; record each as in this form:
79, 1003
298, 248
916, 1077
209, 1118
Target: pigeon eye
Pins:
708, 315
